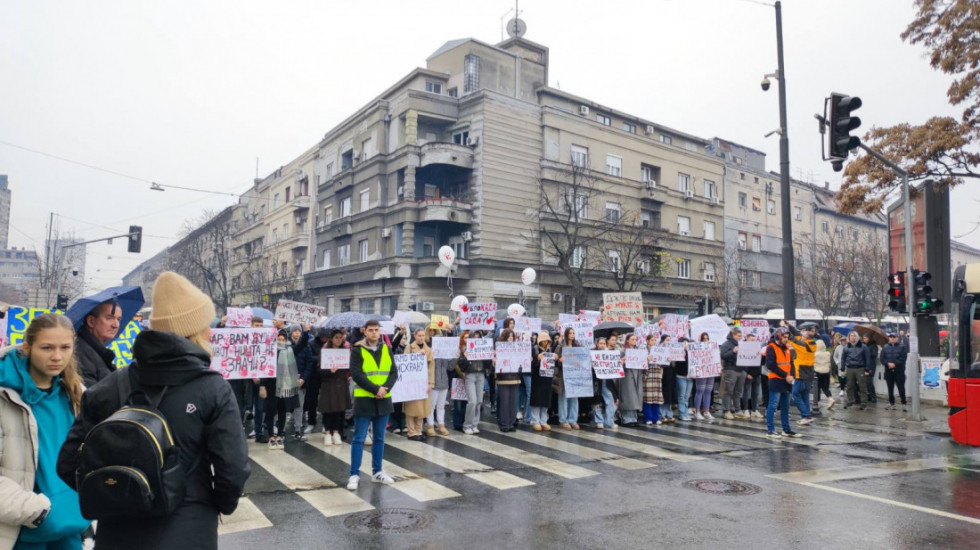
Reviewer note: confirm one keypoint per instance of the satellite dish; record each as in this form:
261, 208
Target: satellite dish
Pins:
516, 28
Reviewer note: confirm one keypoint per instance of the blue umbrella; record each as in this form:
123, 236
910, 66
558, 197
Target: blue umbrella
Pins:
348, 319
844, 328
263, 313
129, 298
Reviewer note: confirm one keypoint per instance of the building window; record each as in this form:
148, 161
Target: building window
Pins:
825, 227
693, 147
285, 231
709, 231
345, 304
275, 201
578, 257
362, 250
326, 260
629, 127
757, 204
347, 160
399, 232
614, 165
459, 246
328, 171
683, 182
709, 271
742, 241
709, 189
367, 149
750, 279
275, 235
771, 206
343, 255
461, 138
433, 87
743, 200
756, 178
756, 243
614, 264
365, 200
327, 214
582, 206
666, 140
650, 219
839, 231
453, 92
366, 306
684, 269
345, 207
288, 191
580, 156
603, 119
797, 213
649, 174
683, 225
428, 247
613, 212
471, 73
854, 234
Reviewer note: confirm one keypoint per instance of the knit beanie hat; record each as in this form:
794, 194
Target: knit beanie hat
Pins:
179, 306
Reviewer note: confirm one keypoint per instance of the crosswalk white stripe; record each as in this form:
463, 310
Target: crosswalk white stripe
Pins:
407, 482
245, 518
757, 433
580, 450
877, 469
335, 502
527, 458
684, 429
461, 465
676, 440
644, 448
289, 470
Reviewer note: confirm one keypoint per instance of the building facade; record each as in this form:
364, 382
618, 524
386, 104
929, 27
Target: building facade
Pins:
4, 212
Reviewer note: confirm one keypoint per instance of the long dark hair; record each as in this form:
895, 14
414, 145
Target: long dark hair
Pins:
564, 337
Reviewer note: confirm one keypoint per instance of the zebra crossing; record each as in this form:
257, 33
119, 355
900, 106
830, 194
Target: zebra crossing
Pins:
443, 469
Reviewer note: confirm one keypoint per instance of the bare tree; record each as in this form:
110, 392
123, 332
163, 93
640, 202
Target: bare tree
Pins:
635, 255
825, 285
203, 256
60, 269
731, 288
867, 276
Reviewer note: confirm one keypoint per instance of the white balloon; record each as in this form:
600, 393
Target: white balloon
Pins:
516, 310
528, 276
458, 303
447, 256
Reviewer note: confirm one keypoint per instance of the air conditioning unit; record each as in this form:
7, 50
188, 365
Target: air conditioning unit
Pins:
385, 232
357, 156
651, 184
557, 297
583, 110
297, 262
467, 236
401, 191
649, 129
428, 306
472, 141
684, 233
689, 193
299, 220
713, 201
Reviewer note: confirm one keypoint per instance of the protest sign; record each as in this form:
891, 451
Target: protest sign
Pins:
445, 347
931, 368
479, 349
387, 327
122, 346
590, 316
636, 358
758, 327
334, 359
527, 324
298, 312
513, 357
565, 318
583, 333
715, 326
401, 318
440, 322
703, 360
547, 369
237, 317
244, 352
676, 351
749, 354
576, 372
458, 390
607, 364
413, 378
3, 332
623, 307
18, 319
660, 355
675, 325
477, 316
645, 331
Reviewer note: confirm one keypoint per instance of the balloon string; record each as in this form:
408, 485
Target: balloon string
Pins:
449, 283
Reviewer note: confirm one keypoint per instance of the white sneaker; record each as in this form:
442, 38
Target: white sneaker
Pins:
468, 431
520, 416
382, 477
367, 441
756, 414
729, 415
841, 394
805, 421
708, 416
830, 403
353, 482
327, 440
336, 439
475, 430
698, 416
308, 429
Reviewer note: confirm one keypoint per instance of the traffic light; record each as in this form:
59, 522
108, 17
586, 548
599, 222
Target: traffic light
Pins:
841, 125
924, 303
897, 299
62, 302
135, 238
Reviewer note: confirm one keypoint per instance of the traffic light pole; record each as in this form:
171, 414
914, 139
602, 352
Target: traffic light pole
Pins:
912, 363
61, 251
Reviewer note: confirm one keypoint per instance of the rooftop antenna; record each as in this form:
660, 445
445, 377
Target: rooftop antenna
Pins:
515, 27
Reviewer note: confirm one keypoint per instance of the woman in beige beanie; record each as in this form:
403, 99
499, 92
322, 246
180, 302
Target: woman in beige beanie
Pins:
173, 359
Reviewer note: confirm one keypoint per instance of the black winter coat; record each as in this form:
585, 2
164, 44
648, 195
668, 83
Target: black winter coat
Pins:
894, 353
856, 356
205, 422
729, 357
95, 361
540, 385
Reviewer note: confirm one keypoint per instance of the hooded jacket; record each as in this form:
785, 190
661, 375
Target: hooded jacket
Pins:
95, 361
729, 357
204, 419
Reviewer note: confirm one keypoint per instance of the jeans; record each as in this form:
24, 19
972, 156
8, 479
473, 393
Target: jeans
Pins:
524, 401
474, 399
607, 418
801, 396
361, 424
258, 419
782, 400
752, 393
459, 414
567, 409
538, 416
651, 412
734, 381
684, 387
437, 416
507, 407
702, 399
895, 377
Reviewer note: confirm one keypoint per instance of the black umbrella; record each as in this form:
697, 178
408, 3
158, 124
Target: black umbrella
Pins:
602, 330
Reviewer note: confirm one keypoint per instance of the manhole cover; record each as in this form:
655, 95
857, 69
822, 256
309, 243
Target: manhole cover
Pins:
389, 520
722, 487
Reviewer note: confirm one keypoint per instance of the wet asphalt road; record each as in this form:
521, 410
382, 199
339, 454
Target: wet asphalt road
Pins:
858, 479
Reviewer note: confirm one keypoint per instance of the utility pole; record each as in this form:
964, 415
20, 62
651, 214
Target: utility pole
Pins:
789, 279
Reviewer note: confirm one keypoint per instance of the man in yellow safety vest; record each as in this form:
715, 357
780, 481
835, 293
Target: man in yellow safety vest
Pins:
372, 368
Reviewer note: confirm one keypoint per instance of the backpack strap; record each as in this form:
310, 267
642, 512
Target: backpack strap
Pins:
125, 386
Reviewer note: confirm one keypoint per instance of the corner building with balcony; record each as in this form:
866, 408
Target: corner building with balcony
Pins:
461, 154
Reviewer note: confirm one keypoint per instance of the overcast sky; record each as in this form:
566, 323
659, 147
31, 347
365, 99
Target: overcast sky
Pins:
191, 93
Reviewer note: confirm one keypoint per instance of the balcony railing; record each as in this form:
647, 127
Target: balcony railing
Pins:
446, 153
445, 210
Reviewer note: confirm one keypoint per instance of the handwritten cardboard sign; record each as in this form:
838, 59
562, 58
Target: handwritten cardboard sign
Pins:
298, 312
583, 333
413, 378
758, 327
565, 318
643, 332
676, 351
334, 359
241, 353
660, 355
714, 325
749, 354
703, 360
547, 369
513, 357
18, 319
527, 324
576, 372
607, 364
479, 349
440, 322
590, 316
636, 358
458, 390
445, 347
675, 325
238, 317
122, 346
478, 316
623, 307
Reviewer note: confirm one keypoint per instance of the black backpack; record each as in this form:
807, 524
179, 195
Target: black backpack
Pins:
128, 464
